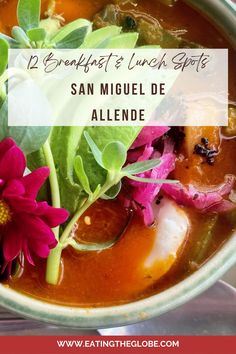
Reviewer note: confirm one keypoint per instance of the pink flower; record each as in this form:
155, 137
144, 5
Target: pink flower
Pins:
25, 224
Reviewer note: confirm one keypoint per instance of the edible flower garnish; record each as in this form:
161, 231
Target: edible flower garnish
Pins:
25, 224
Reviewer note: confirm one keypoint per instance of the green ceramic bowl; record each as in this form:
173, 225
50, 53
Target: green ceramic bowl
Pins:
223, 13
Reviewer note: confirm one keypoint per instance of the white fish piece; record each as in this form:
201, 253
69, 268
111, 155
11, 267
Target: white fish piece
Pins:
172, 232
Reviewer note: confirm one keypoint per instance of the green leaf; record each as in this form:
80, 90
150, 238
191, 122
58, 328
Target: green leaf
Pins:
102, 136
28, 13
28, 138
20, 36
113, 192
35, 160
80, 173
102, 35
36, 34
70, 27
151, 180
95, 150
123, 41
97, 191
142, 166
114, 156
64, 143
74, 39
3, 55
12, 42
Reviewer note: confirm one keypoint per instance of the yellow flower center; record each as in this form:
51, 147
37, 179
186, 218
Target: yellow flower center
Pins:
5, 213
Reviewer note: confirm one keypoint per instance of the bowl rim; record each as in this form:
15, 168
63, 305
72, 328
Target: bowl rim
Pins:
220, 9
149, 307
114, 316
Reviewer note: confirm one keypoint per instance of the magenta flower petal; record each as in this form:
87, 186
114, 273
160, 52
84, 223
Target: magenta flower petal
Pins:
34, 181
12, 164
27, 253
13, 188
35, 229
12, 243
5, 145
54, 216
21, 204
41, 209
40, 249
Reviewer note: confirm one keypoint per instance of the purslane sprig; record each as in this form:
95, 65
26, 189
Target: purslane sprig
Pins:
33, 33
3, 55
112, 159
30, 32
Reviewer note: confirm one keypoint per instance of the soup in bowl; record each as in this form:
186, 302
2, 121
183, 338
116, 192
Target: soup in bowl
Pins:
103, 226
